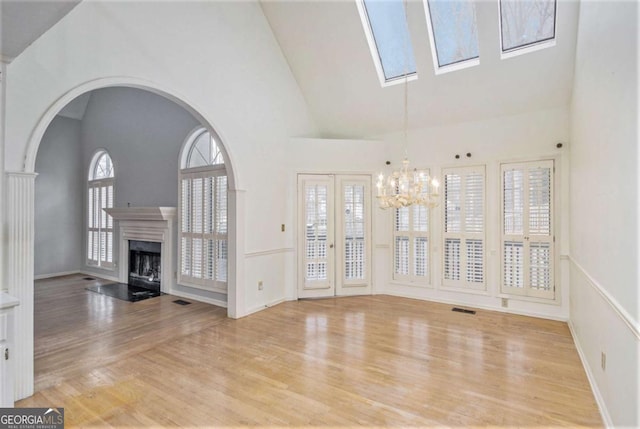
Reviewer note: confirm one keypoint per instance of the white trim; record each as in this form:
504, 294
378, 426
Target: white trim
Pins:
375, 55
532, 47
477, 306
222, 290
100, 276
602, 407
269, 252
628, 320
198, 298
51, 275
459, 65
261, 307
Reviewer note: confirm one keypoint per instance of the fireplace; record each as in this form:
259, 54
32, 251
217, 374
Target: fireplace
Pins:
152, 257
145, 264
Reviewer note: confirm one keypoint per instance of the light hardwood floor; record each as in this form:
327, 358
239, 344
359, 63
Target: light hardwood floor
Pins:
359, 361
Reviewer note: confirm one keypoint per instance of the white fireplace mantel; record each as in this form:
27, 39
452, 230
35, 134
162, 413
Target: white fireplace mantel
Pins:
146, 224
142, 213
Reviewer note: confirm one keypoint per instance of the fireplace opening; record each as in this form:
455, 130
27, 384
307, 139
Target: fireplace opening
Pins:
144, 264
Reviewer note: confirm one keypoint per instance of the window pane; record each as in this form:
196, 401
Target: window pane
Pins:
540, 201
513, 264
513, 201
421, 257
540, 266
204, 151
402, 256
452, 192
455, 32
474, 202
452, 259
388, 24
525, 22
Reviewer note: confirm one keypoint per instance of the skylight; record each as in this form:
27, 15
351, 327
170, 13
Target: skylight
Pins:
453, 32
385, 25
524, 23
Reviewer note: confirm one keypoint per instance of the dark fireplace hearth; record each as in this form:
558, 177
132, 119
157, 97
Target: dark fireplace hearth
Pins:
144, 264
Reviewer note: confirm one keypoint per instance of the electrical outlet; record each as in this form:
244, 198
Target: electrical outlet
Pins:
260, 285
505, 302
603, 361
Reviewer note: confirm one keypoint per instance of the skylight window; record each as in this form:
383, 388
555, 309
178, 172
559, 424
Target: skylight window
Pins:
525, 23
453, 33
387, 32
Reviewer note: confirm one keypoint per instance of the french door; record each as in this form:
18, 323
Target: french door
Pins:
334, 235
527, 229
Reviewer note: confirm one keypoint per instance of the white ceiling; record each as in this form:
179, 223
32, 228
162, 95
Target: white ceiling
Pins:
23, 21
325, 45
327, 51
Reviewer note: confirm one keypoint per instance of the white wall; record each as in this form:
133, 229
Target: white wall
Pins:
509, 138
220, 58
604, 206
523, 137
59, 205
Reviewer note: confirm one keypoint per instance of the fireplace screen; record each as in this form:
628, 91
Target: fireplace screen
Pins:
144, 264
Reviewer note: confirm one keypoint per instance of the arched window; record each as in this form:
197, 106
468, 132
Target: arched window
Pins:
203, 214
99, 223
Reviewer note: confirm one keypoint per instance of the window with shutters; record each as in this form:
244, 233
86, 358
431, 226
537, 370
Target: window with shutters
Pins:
99, 223
202, 209
464, 228
411, 244
527, 229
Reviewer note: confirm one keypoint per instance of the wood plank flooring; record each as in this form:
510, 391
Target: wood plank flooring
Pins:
358, 361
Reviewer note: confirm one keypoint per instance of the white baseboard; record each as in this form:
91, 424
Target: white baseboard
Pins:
48, 276
479, 306
604, 413
206, 300
100, 276
264, 307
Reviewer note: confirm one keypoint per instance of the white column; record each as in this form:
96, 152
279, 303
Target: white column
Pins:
236, 287
20, 225
3, 75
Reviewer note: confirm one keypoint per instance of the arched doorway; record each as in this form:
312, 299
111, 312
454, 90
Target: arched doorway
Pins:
20, 219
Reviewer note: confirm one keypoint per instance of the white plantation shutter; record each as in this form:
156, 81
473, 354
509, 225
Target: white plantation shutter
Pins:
527, 229
203, 228
99, 223
464, 227
411, 244
354, 232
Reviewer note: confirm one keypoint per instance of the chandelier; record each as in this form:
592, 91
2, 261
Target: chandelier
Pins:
405, 187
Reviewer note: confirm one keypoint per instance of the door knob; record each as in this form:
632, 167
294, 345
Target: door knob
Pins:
331, 246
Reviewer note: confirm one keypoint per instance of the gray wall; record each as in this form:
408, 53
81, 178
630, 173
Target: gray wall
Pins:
143, 133
59, 202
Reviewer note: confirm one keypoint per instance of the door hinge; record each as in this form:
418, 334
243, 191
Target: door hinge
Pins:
554, 238
6, 353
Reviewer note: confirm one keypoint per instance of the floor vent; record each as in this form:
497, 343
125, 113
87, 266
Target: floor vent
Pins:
463, 310
181, 302
88, 278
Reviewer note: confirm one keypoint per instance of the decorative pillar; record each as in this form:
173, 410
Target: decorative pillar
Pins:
235, 281
20, 226
3, 83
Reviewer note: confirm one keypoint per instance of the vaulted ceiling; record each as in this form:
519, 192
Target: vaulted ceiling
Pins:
23, 21
327, 51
